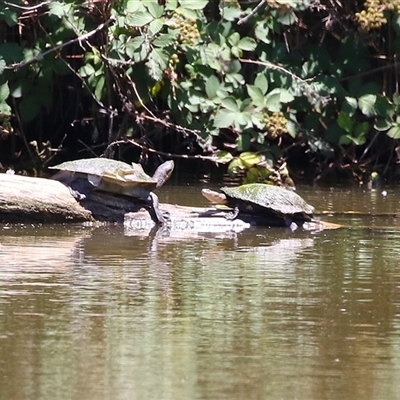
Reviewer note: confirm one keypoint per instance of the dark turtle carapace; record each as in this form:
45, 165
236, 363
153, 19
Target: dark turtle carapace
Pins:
280, 205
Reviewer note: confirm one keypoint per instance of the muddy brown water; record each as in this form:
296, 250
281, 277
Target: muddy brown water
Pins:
104, 313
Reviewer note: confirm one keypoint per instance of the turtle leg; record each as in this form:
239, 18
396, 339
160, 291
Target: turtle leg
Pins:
232, 215
79, 187
155, 212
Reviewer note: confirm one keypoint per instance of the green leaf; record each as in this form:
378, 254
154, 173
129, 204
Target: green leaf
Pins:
272, 101
224, 118
384, 108
99, 89
187, 13
256, 95
287, 18
261, 32
247, 44
212, 84
285, 96
194, 4
86, 70
291, 127
243, 142
257, 119
140, 18
394, 132
382, 125
349, 105
5, 109
133, 6
345, 122
249, 159
361, 131
231, 13
4, 92
11, 53
234, 39
171, 5
235, 167
230, 103
164, 40
223, 156
9, 16
133, 45
157, 63
155, 9
367, 105
156, 25
262, 83
236, 51
56, 8
396, 99
242, 120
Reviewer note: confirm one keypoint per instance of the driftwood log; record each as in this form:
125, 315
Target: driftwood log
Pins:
26, 199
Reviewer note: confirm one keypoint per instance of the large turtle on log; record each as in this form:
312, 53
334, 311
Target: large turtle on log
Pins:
278, 205
117, 177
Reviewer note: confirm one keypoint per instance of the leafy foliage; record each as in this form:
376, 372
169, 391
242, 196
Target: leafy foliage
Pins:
270, 80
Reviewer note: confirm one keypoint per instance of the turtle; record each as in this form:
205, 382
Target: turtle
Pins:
276, 204
112, 176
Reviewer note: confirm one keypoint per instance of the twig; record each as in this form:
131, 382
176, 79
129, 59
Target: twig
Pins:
307, 90
56, 48
252, 12
278, 68
163, 153
175, 126
32, 8
154, 118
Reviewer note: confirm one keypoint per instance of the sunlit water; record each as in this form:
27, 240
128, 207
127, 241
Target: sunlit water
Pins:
104, 313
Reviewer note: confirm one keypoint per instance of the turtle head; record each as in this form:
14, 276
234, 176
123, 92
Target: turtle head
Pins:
214, 197
163, 172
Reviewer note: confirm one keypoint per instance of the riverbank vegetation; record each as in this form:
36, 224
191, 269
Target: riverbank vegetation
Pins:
265, 87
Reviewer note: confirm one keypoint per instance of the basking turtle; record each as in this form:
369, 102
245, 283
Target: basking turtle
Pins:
280, 206
113, 176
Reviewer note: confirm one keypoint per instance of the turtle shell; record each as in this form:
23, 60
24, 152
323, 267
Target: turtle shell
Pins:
270, 197
113, 171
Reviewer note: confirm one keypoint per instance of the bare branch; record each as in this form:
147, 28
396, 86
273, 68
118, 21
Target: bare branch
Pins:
213, 159
56, 48
255, 10
32, 8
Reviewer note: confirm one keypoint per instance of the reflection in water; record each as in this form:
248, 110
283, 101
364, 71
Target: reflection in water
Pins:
89, 313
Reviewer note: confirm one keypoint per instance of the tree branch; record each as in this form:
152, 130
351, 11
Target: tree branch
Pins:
56, 48
255, 9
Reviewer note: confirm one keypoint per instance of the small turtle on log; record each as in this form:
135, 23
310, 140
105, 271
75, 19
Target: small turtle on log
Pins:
279, 205
117, 177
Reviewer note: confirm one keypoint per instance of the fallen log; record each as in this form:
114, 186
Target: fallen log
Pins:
27, 199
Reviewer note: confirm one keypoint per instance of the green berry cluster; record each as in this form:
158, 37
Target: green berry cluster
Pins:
276, 124
170, 71
173, 61
372, 17
188, 32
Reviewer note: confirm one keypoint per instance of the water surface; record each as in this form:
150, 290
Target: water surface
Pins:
105, 313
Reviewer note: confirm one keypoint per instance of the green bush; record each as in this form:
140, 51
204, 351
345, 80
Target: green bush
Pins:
287, 80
